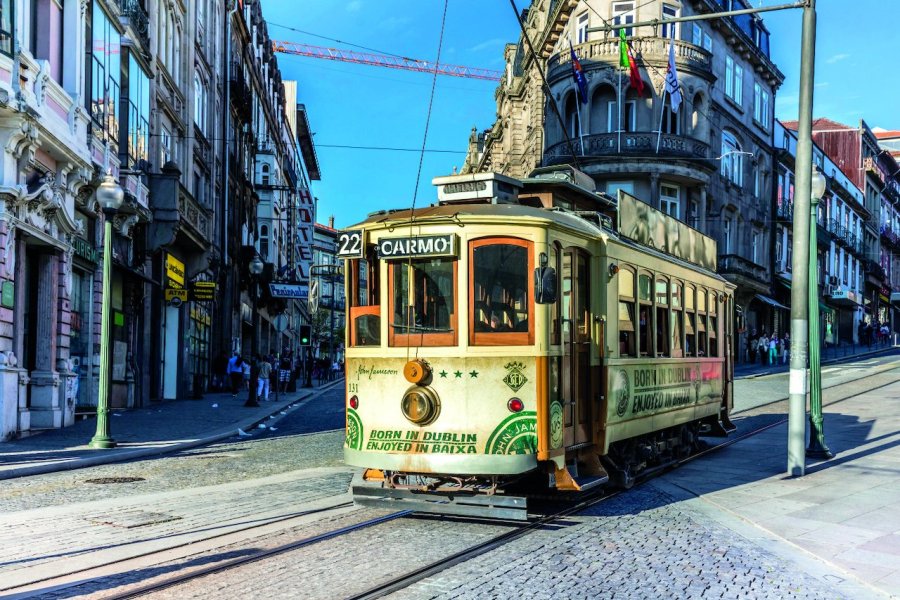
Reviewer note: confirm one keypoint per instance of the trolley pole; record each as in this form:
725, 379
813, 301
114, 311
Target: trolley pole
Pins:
796, 462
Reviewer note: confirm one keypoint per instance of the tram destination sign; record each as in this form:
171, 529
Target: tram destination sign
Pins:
420, 246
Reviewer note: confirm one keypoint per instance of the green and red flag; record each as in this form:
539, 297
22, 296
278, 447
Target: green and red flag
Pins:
626, 61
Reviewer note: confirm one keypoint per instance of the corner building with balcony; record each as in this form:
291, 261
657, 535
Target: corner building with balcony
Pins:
710, 164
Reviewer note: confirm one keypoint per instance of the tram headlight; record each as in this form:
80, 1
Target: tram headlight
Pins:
515, 405
420, 405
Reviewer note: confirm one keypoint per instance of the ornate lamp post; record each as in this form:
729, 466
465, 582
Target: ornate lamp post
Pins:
817, 447
255, 267
109, 195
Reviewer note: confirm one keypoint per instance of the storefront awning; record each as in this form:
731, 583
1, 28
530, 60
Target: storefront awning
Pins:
771, 302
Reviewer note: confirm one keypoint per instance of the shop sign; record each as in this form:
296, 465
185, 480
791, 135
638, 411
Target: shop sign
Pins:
289, 290
417, 246
8, 294
174, 272
83, 249
173, 293
203, 291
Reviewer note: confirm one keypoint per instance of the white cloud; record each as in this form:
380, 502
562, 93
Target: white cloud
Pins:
836, 58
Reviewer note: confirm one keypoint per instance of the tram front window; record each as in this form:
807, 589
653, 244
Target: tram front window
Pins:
500, 281
423, 296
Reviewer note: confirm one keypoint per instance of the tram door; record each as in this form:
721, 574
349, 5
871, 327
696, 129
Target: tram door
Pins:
576, 341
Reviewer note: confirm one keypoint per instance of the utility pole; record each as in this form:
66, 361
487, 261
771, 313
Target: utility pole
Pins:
796, 463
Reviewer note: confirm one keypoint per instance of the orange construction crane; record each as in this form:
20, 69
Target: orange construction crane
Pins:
383, 60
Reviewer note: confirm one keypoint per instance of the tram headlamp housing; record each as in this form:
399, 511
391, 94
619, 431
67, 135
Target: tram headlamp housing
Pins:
515, 405
354, 402
420, 405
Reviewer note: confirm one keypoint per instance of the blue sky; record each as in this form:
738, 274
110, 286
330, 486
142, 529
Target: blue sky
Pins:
361, 105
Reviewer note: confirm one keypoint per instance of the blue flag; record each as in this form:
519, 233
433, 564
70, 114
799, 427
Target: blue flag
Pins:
578, 74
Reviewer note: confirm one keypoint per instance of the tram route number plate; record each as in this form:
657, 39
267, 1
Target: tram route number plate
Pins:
350, 244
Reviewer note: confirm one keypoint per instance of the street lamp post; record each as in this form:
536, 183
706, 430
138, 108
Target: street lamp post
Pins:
109, 195
255, 267
817, 447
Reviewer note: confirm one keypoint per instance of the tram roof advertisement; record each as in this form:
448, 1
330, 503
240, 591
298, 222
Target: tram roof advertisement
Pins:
647, 226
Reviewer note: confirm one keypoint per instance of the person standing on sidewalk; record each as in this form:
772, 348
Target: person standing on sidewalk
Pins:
762, 347
235, 373
262, 380
773, 349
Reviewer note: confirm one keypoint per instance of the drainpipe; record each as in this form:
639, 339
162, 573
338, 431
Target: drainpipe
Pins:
226, 213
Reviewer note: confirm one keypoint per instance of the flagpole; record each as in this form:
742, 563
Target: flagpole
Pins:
661, 113
619, 103
580, 130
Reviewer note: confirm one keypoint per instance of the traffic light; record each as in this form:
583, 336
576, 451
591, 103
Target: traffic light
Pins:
305, 335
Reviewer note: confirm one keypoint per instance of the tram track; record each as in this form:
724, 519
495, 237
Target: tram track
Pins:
418, 574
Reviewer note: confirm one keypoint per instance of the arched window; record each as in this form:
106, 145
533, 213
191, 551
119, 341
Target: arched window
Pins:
572, 116
601, 98
698, 117
264, 242
265, 174
732, 159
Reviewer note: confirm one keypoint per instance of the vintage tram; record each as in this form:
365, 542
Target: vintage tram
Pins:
527, 331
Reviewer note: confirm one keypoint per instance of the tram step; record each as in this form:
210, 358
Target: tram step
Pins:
586, 483
513, 508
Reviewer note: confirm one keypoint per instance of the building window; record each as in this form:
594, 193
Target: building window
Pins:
165, 146
138, 113
701, 38
765, 109
668, 199
726, 235
732, 159
612, 187
46, 39
754, 247
628, 116
581, 33
264, 242
757, 181
734, 80
669, 30
200, 103
623, 14
670, 122
265, 174
6, 26
105, 66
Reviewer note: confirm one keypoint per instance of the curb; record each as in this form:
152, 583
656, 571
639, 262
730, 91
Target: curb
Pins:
218, 435
829, 361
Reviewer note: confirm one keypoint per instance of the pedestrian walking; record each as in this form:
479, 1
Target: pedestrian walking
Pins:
245, 372
773, 349
762, 347
786, 348
263, 381
335, 369
236, 373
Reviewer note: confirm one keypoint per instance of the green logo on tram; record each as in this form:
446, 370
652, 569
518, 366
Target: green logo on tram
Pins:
556, 424
517, 434
354, 430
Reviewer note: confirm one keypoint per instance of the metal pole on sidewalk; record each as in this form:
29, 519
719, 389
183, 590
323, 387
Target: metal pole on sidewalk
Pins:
796, 462
817, 447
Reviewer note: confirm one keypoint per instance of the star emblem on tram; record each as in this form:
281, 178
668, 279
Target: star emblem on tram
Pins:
473, 374
458, 374
443, 374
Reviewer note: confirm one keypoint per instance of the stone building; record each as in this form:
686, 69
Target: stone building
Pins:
841, 257
181, 102
856, 151
709, 164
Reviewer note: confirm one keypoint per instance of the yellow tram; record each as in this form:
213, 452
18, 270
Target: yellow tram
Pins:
530, 331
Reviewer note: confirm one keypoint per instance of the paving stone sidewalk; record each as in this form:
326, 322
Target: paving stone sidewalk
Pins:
160, 428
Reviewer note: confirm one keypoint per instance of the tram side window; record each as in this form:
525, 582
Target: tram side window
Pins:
365, 313
555, 308
662, 317
690, 323
701, 323
713, 341
645, 339
500, 297
627, 341
677, 320
422, 299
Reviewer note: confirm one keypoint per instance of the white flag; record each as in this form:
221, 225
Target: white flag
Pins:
672, 79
